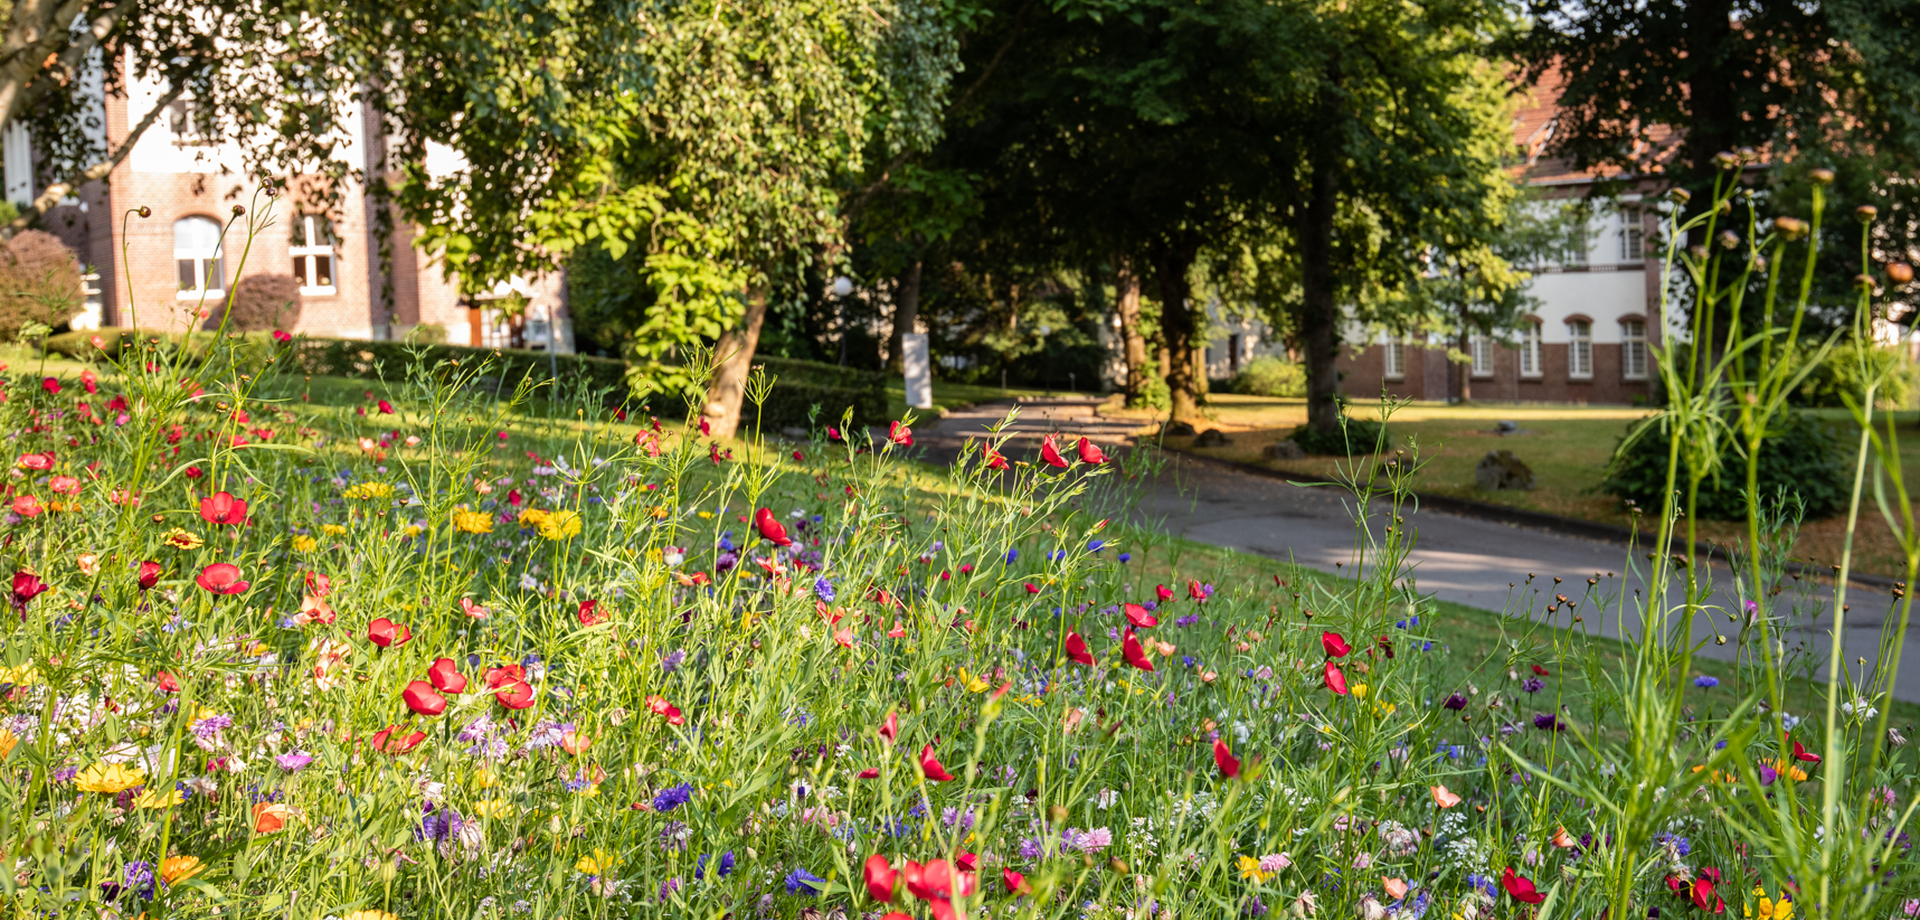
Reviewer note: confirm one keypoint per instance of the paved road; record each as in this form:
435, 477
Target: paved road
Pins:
1462, 559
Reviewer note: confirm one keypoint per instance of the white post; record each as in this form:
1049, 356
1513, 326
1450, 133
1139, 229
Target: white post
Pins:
919, 370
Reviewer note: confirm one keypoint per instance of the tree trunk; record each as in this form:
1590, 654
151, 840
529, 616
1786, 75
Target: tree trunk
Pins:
1463, 372
1127, 284
734, 352
1319, 314
906, 313
1171, 262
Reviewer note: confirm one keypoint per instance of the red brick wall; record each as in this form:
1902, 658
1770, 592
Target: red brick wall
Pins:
1361, 376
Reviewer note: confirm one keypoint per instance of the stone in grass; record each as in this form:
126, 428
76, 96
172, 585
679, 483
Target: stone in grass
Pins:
1212, 438
1285, 449
1176, 429
1501, 471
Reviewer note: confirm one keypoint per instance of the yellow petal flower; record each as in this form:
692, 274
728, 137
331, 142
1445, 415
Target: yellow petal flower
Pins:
177, 869
108, 778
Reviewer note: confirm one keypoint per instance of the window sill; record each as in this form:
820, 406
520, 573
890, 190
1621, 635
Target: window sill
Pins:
327, 291
196, 295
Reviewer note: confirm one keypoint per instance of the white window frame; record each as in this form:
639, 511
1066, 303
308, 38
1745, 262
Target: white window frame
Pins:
207, 261
1530, 351
1481, 349
1579, 350
1578, 256
1633, 236
304, 256
1393, 358
186, 120
1633, 349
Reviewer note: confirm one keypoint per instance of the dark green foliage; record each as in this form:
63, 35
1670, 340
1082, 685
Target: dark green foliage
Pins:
1803, 457
800, 385
1354, 437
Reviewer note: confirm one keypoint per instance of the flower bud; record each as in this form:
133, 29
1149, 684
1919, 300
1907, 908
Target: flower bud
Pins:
1821, 176
1728, 239
1863, 281
145, 211
1899, 273
1680, 195
238, 210
1790, 228
1726, 159
1866, 213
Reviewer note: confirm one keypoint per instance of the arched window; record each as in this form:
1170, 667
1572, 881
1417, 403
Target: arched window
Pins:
1579, 349
196, 251
1530, 350
1633, 349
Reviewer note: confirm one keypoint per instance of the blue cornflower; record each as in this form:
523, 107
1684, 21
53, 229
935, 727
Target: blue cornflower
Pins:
1012, 554
1681, 845
823, 589
673, 797
1706, 682
1533, 685
804, 883
700, 868
1056, 555
726, 864
1096, 545
1126, 557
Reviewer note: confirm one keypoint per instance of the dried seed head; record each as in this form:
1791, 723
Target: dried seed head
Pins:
1821, 176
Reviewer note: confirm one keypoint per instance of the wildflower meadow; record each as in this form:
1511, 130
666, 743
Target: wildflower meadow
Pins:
446, 648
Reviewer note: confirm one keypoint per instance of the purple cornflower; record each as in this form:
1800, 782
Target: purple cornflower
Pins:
804, 883
672, 662
1187, 620
1533, 685
1456, 702
210, 727
673, 797
823, 589
1546, 721
1706, 682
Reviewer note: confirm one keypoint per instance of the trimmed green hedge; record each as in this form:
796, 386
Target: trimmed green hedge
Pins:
798, 385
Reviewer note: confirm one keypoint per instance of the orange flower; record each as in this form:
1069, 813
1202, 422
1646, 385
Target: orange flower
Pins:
1443, 798
270, 817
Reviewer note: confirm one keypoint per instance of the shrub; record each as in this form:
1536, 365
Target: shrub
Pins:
39, 282
1269, 375
1803, 457
1356, 436
260, 303
1841, 373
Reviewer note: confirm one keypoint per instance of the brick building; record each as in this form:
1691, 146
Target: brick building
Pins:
159, 271
1588, 339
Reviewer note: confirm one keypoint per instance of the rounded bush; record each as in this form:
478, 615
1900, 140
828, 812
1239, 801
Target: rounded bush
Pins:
1269, 375
1803, 457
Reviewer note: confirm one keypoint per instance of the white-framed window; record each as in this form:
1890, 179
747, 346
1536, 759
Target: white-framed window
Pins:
196, 251
1577, 253
1395, 357
1579, 349
1633, 349
1530, 350
314, 261
1481, 347
189, 122
1633, 236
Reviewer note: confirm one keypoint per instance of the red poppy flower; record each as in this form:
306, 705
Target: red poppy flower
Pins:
1015, 882
1704, 897
994, 460
1229, 764
515, 695
1135, 655
51, 385
223, 508
666, 710
1520, 888
165, 682
936, 881
513, 497
1195, 592
771, 528
388, 740
1799, 753
880, 876
706, 427
930, 765
41, 461
446, 676
869, 773
149, 574
27, 506
890, 727
899, 630
1090, 452
1077, 650
1051, 454
26, 587
1140, 618
282, 336
1163, 592
386, 408
421, 698
1334, 644
966, 862
900, 434
388, 634
1543, 672
1335, 680
588, 613
504, 675
221, 578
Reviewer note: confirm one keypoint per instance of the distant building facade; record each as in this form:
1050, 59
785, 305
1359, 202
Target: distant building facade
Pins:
154, 272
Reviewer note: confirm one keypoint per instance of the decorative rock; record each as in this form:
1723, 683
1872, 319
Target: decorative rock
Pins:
1176, 429
1285, 449
1212, 438
1501, 471
1506, 427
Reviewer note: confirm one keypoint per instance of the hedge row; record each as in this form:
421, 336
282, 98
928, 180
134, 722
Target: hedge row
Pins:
798, 385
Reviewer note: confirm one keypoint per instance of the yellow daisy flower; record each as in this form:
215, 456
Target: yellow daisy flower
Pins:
110, 778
